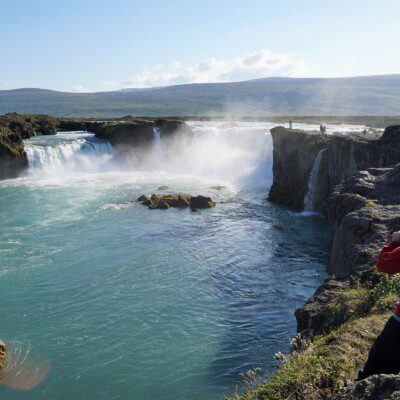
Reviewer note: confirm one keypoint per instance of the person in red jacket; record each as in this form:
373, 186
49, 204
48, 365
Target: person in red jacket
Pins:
384, 356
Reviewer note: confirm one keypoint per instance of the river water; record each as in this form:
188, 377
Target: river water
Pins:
115, 301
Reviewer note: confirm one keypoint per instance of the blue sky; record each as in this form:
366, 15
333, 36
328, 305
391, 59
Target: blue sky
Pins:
108, 45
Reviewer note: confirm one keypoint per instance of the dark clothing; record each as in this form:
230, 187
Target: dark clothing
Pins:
384, 357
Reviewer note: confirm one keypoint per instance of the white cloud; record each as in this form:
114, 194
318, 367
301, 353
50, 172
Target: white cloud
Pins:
78, 89
257, 65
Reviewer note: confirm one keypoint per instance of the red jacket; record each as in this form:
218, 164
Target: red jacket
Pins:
389, 262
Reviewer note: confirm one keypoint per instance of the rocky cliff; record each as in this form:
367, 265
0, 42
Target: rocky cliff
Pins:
359, 180
13, 129
295, 152
293, 157
128, 135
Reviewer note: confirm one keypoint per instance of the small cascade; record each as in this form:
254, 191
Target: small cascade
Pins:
157, 145
312, 195
65, 153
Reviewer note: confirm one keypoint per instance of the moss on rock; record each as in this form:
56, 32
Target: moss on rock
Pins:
180, 200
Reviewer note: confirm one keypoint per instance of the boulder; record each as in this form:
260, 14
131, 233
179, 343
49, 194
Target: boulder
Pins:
313, 318
375, 387
142, 198
163, 187
197, 202
180, 200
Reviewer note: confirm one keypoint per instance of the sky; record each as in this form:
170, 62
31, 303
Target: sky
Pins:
86, 46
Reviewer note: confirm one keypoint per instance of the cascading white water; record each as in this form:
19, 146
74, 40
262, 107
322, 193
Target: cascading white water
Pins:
157, 144
67, 153
218, 151
311, 196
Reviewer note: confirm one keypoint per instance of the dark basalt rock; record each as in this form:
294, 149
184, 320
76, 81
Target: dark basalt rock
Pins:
313, 318
170, 127
13, 129
294, 154
181, 200
127, 133
363, 211
391, 134
201, 202
375, 387
69, 125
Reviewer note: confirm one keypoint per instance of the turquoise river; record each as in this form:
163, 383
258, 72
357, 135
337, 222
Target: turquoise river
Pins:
104, 299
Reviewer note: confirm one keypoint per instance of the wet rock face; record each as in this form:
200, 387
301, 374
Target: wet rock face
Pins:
13, 129
126, 134
3, 351
294, 154
363, 211
170, 127
375, 387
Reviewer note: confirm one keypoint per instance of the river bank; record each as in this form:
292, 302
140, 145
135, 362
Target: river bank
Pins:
359, 192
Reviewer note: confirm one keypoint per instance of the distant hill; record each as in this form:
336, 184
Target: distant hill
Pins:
370, 95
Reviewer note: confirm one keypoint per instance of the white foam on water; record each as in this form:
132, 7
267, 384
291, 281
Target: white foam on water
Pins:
65, 154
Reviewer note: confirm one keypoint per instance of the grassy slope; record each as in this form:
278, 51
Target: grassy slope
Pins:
325, 364
347, 96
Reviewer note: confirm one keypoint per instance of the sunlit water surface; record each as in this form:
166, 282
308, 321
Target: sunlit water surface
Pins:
122, 302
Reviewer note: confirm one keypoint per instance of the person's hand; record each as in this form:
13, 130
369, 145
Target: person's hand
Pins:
396, 236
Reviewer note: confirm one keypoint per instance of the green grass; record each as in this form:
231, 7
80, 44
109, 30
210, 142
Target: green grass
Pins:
323, 365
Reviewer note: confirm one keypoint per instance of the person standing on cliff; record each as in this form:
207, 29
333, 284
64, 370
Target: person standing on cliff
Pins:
290, 123
384, 356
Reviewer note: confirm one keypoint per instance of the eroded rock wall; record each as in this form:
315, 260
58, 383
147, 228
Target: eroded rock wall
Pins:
294, 154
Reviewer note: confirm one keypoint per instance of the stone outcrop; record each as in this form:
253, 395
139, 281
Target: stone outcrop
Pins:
294, 154
376, 387
197, 202
314, 317
70, 125
180, 200
13, 129
170, 127
359, 181
126, 134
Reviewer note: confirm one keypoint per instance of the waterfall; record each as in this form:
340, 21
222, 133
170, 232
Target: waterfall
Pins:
65, 153
312, 195
157, 143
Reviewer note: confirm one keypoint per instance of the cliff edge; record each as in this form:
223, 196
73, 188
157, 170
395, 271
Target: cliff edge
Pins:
358, 190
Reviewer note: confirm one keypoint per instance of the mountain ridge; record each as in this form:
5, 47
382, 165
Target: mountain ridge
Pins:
361, 95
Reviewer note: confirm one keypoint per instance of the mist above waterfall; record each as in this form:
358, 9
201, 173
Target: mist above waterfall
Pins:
222, 152
218, 151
